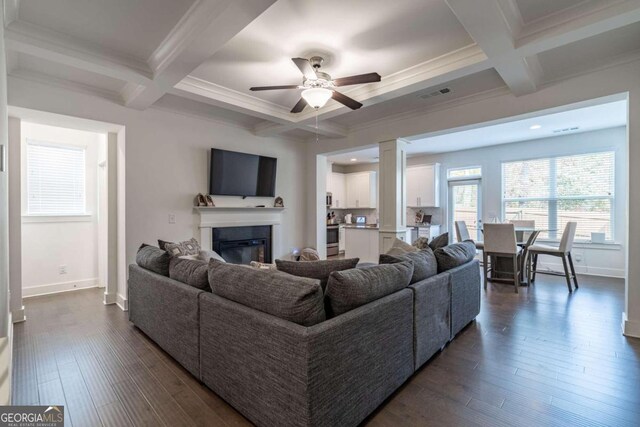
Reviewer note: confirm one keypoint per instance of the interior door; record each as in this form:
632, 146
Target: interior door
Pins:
465, 204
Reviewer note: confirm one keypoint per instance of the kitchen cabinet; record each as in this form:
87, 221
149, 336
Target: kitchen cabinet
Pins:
336, 186
361, 190
428, 231
423, 186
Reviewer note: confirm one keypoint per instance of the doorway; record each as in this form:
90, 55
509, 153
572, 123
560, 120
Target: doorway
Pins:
465, 204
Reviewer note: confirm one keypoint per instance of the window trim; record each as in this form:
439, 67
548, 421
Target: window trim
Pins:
27, 217
612, 197
465, 177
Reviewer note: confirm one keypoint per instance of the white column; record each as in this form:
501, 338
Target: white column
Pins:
392, 184
631, 315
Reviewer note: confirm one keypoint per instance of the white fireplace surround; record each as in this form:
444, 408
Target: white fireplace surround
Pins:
220, 217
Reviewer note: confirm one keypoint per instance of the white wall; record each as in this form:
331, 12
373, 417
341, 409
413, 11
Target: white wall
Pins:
51, 242
605, 260
499, 105
167, 164
5, 327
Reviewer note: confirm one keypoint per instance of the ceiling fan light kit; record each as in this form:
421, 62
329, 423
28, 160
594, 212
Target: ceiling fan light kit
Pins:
317, 97
319, 86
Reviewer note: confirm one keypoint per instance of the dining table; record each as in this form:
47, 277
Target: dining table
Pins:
525, 237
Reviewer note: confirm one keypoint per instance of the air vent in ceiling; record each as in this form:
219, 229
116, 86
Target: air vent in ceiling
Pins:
565, 130
443, 91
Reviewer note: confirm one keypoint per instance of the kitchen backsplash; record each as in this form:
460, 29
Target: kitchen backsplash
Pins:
436, 215
371, 214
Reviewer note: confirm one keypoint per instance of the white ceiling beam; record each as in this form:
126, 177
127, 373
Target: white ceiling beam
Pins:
325, 128
577, 24
493, 28
46, 44
203, 30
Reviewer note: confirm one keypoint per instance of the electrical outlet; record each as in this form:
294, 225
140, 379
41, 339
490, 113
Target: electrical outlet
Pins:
62, 269
172, 218
577, 257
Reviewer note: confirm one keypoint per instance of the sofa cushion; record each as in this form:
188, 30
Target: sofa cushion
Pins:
424, 263
439, 242
153, 259
455, 255
349, 289
193, 272
400, 247
297, 299
320, 270
206, 255
188, 247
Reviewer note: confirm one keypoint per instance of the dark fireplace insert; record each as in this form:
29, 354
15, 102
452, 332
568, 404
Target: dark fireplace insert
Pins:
241, 245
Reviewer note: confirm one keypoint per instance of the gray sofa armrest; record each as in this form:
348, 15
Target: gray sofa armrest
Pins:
432, 316
279, 373
465, 295
167, 311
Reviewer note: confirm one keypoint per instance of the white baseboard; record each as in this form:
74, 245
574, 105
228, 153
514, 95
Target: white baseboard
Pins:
110, 298
582, 269
630, 328
54, 288
18, 315
123, 303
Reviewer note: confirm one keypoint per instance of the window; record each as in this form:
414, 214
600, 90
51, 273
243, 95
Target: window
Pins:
464, 173
554, 191
55, 179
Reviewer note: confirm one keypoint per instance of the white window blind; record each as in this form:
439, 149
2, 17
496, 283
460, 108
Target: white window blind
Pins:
55, 179
554, 191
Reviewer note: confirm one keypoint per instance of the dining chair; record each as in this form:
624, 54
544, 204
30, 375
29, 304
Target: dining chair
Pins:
462, 233
563, 251
500, 241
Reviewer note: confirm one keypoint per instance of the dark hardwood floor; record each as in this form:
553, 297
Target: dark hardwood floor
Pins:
540, 357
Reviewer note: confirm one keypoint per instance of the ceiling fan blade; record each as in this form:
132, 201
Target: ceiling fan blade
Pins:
273, 87
305, 68
299, 106
345, 100
359, 79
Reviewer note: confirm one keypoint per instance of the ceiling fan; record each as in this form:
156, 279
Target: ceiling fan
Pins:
319, 86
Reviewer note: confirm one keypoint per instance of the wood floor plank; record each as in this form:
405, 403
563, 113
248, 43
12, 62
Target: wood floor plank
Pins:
539, 357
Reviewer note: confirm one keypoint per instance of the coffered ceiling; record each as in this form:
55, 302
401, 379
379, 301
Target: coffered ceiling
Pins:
199, 57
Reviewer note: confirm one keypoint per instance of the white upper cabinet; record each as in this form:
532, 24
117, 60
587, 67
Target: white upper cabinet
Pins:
361, 190
336, 186
423, 186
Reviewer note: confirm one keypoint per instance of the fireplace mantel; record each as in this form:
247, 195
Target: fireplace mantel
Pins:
218, 217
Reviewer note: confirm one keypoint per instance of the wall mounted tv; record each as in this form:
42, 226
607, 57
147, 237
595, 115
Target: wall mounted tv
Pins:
242, 174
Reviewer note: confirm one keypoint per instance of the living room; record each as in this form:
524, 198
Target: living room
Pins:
170, 81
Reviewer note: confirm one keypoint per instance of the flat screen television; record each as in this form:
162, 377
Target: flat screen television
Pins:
242, 174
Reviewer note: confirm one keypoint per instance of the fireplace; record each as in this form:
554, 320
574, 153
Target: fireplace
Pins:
241, 245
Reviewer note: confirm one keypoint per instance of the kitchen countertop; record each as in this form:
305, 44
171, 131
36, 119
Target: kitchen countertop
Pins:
362, 227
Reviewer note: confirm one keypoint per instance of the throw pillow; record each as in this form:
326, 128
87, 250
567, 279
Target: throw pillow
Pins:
421, 243
188, 247
296, 299
262, 265
153, 259
320, 270
400, 247
455, 255
439, 242
349, 289
424, 263
206, 255
192, 272
309, 254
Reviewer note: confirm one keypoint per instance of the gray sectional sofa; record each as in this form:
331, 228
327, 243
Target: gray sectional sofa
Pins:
277, 372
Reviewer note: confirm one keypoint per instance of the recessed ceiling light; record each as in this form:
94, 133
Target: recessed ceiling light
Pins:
535, 127
354, 160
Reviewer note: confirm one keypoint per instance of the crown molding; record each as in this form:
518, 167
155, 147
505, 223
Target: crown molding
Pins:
192, 23
43, 43
46, 79
228, 96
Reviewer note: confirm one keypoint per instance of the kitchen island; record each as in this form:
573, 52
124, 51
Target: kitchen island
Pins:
361, 241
